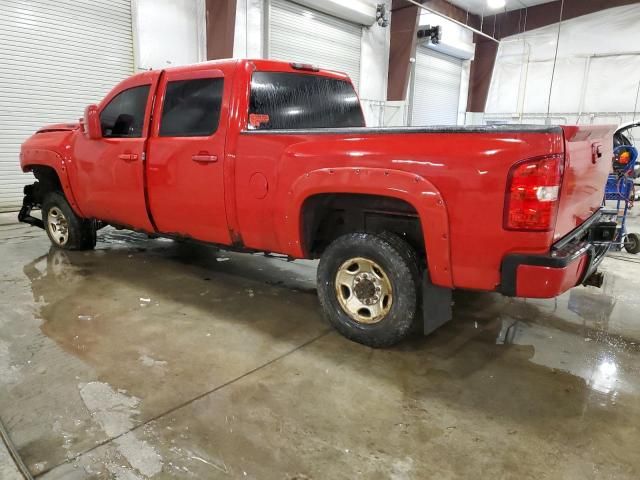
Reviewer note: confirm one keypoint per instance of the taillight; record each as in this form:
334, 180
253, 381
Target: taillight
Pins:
533, 190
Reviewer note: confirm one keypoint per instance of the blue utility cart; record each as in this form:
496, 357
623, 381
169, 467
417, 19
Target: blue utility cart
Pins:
621, 190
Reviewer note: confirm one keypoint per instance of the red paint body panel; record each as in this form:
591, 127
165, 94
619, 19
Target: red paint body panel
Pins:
582, 183
107, 187
50, 148
253, 195
547, 282
186, 196
467, 171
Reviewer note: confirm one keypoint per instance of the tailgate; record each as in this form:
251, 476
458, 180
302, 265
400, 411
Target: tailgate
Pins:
588, 156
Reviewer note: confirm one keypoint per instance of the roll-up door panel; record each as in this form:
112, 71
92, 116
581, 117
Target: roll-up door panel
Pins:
301, 34
436, 89
57, 57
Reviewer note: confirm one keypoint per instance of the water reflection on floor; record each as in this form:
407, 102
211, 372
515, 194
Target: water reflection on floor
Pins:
148, 357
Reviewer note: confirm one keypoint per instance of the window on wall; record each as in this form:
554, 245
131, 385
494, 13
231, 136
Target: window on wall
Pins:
294, 101
191, 108
123, 117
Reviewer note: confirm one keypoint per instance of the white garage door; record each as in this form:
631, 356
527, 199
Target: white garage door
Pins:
436, 88
301, 34
56, 56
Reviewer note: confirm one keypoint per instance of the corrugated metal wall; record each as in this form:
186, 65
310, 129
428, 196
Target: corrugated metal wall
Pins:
57, 57
436, 88
301, 34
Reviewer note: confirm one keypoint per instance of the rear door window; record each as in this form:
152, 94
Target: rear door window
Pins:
191, 108
281, 100
123, 117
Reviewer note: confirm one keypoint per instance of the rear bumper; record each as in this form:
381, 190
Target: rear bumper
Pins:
570, 262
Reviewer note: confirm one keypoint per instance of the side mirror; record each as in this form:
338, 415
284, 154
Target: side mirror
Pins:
91, 122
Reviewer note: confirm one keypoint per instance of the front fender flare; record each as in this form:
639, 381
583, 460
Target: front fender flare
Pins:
414, 189
35, 157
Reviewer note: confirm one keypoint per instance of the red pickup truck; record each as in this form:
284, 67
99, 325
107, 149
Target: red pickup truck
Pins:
262, 155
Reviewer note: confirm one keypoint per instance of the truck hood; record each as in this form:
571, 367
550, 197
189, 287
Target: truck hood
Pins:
52, 138
58, 127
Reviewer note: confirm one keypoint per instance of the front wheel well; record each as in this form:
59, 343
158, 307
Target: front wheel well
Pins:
326, 217
48, 181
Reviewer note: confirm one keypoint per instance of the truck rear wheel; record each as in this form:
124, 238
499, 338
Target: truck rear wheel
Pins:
64, 228
368, 287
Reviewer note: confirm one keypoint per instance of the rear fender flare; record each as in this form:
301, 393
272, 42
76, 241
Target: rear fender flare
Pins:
48, 158
414, 189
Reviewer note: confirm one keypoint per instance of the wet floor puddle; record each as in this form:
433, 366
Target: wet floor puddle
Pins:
97, 342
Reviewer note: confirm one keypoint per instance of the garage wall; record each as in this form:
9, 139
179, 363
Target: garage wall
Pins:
60, 55
249, 32
57, 57
435, 90
596, 78
251, 38
301, 34
169, 32
439, 82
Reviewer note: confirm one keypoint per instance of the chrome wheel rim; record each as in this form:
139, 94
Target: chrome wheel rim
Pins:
58, 226
364, 290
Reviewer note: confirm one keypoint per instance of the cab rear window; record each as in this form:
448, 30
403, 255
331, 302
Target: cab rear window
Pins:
281, 100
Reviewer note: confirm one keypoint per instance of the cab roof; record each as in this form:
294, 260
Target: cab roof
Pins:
260, 64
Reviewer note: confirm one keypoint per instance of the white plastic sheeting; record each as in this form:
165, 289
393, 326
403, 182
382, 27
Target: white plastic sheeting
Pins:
169, 33
596, 77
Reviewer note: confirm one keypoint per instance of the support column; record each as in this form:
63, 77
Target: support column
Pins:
481, 72
221, 23
404, 26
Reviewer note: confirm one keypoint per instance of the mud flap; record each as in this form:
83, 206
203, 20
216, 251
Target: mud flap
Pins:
436, 305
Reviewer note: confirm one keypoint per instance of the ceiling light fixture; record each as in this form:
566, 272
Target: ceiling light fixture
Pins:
495, 4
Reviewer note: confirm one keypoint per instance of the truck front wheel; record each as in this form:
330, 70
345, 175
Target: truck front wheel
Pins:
368, 287
64, 228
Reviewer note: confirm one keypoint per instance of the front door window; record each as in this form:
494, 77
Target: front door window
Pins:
123, 117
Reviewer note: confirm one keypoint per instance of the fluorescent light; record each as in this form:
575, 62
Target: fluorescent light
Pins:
496, 3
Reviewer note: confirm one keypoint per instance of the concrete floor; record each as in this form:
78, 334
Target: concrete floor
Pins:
150, 358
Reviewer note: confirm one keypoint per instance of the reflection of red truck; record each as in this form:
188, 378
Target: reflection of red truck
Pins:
272, 156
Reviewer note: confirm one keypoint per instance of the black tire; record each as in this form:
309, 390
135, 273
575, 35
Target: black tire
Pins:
80, 232
632, 243
398, 262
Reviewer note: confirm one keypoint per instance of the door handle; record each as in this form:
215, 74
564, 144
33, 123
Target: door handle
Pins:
204, 157
128, 156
